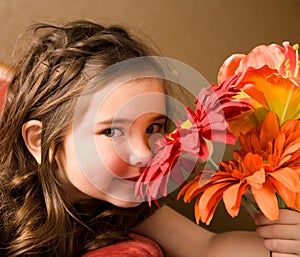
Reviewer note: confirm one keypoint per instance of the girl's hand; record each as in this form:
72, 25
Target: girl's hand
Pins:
282, 236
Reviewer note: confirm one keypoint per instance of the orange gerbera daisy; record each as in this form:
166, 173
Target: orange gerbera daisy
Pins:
267, 164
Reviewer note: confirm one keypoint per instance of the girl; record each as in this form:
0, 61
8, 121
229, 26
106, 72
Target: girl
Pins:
69, 158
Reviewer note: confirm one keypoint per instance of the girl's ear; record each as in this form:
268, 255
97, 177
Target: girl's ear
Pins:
32, 132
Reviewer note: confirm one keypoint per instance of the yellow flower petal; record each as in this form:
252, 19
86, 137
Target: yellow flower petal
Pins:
186, 124
273, 91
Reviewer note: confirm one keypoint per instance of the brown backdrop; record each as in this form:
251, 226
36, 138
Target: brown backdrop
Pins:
201, 33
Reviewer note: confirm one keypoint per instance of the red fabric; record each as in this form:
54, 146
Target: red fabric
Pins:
3, 88
6, 74
140, 246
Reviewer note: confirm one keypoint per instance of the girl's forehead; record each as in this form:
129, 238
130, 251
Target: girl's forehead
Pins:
131, 99
136, 87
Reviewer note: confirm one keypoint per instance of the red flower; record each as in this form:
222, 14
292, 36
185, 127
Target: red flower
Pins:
177, 152
217, 105
169, 161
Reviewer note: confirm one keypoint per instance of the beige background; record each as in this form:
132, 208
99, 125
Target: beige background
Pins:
201, 33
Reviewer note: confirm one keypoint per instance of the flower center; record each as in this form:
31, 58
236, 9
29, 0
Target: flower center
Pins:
295, 65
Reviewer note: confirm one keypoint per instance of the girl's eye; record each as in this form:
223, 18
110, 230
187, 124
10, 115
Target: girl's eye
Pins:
155, 128
112, 132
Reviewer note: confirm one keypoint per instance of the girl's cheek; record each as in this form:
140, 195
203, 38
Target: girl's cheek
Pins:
116, 165
111, 161
114, 158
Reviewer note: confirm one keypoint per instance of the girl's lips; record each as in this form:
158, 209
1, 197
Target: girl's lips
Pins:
134, 179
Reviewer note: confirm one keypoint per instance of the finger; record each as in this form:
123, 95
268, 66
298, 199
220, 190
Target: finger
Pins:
285, 217
282, 246
274, 254
279, 231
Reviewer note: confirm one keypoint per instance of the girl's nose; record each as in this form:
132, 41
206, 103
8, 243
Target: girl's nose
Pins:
140, 152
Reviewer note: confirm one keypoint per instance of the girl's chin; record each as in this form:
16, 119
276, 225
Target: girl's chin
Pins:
125, 204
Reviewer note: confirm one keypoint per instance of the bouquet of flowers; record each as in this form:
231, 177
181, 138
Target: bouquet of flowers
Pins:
257, 102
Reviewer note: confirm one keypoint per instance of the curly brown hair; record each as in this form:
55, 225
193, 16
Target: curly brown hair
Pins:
36, 218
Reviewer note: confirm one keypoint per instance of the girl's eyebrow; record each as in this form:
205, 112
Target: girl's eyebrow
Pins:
159, 117
119, 120
111, 121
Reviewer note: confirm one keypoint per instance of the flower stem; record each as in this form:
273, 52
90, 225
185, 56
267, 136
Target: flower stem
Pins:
213, 164
250, 205
281, 203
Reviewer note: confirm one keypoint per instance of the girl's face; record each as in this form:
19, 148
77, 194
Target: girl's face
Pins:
106, 152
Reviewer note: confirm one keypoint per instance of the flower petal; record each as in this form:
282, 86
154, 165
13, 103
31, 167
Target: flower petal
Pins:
229, 67
267, 200
272, 91
269, 129
209, 201
287, 195
232, 198
288, 178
